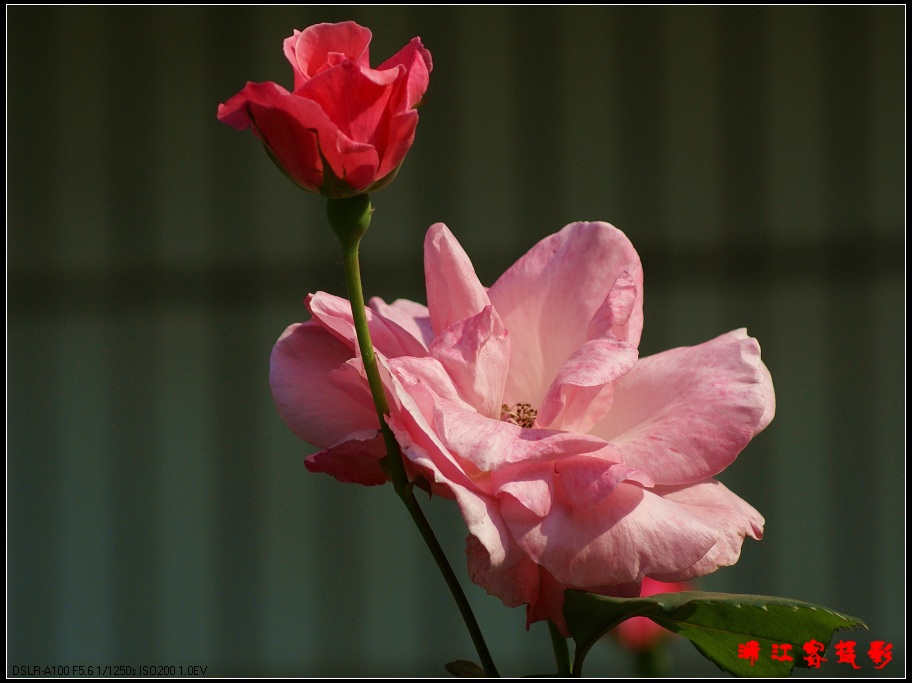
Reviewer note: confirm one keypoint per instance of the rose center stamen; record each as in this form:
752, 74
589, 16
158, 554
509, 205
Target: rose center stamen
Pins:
521, 414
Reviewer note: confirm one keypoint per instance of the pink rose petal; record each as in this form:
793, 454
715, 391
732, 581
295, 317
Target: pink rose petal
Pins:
475, 353
549, 297
355, 460
583, 390
453, 290
685, 414
388, 337
319, 403
632, 533
411, 317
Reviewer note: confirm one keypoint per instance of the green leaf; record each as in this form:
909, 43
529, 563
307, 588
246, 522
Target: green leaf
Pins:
463, 668
716, 623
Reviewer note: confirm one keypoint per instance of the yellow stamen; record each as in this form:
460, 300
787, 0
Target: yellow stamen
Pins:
522, 414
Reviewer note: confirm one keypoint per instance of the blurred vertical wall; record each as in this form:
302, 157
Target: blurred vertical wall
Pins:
158, 512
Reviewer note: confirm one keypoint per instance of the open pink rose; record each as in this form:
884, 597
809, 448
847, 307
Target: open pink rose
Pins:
575, 463
642, 633
345, 128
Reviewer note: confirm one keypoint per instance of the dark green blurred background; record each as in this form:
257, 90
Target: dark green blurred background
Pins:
158, 512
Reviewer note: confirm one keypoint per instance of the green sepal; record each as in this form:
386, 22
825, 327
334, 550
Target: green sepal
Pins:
349, 217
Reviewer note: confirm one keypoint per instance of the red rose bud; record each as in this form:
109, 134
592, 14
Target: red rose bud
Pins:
346, 128
642, 633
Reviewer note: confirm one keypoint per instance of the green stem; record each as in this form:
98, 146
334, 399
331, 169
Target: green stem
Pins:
350, 221
650, 663
561, 652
